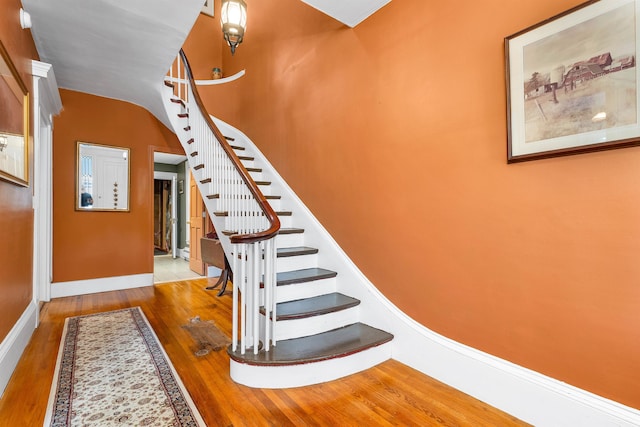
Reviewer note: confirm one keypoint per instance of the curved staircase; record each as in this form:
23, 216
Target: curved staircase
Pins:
311, 332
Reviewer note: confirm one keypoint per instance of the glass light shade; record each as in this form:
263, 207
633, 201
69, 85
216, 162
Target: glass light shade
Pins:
233, 18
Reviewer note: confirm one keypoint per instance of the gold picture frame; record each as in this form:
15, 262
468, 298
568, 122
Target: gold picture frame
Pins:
14, 123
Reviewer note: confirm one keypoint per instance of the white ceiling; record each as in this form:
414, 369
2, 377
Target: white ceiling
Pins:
349, 12
121, 49
117, 49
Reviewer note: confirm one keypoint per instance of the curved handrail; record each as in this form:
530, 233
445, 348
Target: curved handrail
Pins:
270, 214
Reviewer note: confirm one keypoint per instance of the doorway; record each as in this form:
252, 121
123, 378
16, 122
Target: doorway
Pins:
165, 214
170, 219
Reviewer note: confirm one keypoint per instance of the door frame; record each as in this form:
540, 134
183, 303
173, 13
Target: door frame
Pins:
46, 104
173, 177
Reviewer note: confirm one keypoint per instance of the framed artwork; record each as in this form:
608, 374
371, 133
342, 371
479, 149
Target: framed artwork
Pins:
14, 123
573, 82
181, 186
207, 8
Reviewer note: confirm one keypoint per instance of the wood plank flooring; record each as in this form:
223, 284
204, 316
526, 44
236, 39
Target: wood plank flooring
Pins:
388, 394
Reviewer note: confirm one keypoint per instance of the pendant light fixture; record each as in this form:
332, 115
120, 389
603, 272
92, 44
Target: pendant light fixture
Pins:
234, 21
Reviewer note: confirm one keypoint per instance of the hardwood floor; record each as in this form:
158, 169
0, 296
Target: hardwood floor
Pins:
388, 394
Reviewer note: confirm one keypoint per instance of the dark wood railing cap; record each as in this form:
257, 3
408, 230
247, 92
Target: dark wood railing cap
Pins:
269, 213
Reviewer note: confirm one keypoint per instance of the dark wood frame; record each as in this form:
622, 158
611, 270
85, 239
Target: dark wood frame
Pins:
583, 141
17, 80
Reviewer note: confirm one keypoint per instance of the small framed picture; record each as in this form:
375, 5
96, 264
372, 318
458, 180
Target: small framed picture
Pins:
573, 82
207, 9
181, 186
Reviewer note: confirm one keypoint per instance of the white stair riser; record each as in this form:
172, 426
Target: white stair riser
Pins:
249, 163
289, 240
304, 374
276, 204
296, 262
296, 328
285, 221
257, 176
304, 290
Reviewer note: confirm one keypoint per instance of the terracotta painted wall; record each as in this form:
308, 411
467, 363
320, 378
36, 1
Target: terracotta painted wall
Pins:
16, 212
394, 134
203, 46
89, 245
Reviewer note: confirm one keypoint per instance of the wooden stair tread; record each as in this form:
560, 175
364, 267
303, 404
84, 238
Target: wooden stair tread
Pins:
237, 147
281, 231
295, 251
304, 275
291, 230
178, 101
315, 306
217, 196
249, 158
339, 342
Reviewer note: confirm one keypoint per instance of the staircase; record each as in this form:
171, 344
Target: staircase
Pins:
292, 308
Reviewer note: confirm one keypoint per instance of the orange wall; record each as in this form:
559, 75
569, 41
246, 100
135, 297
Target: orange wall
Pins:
16, 213
90, 245
394, 134
203, 48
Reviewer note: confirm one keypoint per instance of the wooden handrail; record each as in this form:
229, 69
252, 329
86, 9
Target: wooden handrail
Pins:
270, 214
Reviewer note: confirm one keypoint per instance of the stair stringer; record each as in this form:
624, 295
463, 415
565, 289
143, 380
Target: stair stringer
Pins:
178, 125
526, 394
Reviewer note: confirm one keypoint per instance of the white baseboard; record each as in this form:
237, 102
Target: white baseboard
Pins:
521, 392
14, 344
103, 284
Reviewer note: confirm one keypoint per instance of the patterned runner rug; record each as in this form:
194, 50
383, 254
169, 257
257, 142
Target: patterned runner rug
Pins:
112, 370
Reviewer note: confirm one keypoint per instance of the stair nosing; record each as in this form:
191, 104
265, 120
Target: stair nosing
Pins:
287, 252
344, 302
314, 348
320, 274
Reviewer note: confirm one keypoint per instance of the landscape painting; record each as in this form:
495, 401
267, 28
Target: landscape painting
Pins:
577, 83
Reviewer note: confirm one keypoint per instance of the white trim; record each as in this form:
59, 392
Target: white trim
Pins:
50, 92
528, 395
307, 374
47, 103
16, 341
173, 177
103, 284
223, 80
